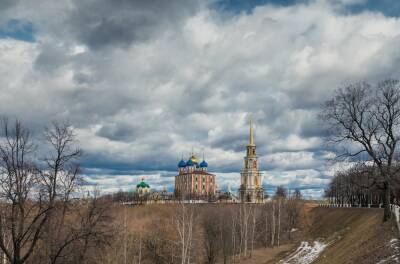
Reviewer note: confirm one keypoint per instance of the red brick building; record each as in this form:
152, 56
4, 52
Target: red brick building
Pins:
194, 181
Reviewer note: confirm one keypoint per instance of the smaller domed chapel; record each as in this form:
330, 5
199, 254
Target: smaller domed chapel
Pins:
142, 187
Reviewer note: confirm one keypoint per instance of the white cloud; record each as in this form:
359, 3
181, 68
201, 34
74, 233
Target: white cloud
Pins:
140, 101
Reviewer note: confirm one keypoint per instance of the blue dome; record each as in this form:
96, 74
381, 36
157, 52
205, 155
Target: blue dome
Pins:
203, 164
189, 163
182, 164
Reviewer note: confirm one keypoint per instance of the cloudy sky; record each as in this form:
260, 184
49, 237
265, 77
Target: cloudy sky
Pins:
144, 82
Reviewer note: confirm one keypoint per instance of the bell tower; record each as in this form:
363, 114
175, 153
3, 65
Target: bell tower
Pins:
251, 189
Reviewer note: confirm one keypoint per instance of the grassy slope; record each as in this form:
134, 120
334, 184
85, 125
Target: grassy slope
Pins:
358, 234
273, 255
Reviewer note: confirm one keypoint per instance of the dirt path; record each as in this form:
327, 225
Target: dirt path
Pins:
269, 255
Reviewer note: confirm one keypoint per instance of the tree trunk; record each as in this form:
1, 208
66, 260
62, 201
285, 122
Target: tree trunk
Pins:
233, 239
386, 202
253, 231
266, 229
279, 222
246, 230
273, 225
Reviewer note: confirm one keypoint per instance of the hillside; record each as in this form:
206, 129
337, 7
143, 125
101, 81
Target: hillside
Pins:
336, 236
343, 235
357, 235
324, 235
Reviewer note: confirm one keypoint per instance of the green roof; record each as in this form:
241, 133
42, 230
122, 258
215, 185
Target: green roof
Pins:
143, 185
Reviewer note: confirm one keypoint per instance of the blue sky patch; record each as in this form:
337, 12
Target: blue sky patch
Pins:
237, 6
18, 29
387, 7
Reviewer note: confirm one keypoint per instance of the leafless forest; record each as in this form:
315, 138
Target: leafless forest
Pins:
364, 122
361, 185
199, 233
46, 218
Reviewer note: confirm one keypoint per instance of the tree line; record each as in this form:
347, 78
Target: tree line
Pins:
359, 186
364, 127
203, 233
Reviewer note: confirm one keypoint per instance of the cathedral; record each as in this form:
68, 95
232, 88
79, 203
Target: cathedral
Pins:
193, 180
251, 189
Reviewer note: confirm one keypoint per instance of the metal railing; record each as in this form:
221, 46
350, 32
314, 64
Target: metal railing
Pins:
340, 205
394, 208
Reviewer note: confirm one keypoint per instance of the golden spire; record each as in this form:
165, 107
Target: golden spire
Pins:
251, 136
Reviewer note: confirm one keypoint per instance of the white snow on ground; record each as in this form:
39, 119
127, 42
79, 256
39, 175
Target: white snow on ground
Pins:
305, 253
394, 244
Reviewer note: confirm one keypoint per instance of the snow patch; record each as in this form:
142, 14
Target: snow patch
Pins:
305, 253
394, 244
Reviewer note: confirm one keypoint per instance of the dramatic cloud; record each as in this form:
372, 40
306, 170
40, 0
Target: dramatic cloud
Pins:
144, 82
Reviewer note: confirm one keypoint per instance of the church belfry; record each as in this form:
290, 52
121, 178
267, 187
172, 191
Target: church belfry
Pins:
251, 189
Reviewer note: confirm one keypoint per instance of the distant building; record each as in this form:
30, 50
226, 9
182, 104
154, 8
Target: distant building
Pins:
142, 188
161, 196
193, 180
228, 196
251, 189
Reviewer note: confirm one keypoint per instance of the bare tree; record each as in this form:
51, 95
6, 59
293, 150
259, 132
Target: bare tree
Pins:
212, 233
234, 225
281, 192
20, 218
273, 224
357, 186
157, 247
226, 230
297, 195
293, 208
253, 229
125, 236
279, 222
244, 215
36, 196
368, 117
266, 238
185, 223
